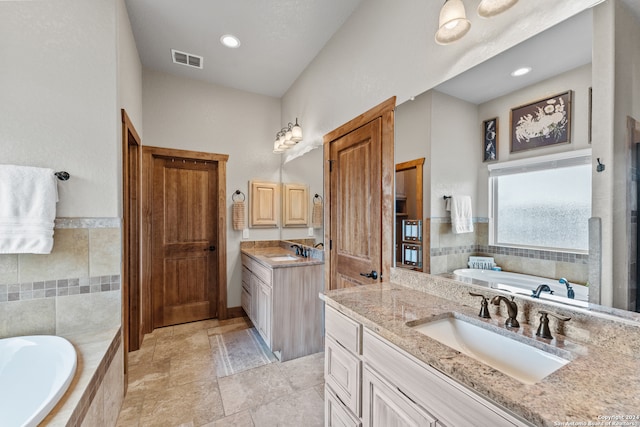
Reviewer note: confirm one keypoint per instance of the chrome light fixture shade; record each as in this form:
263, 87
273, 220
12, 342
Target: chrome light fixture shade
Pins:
296, 132
453, 23
489, 8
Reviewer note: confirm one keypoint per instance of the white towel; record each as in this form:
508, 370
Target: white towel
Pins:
461, 215
28, 198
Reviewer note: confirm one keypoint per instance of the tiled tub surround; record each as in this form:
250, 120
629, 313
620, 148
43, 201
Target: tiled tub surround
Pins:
601, 380
74, 292
451, 251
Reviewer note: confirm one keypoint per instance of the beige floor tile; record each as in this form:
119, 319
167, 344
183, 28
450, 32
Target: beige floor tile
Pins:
183, 344
192, 367
149, 377
253, 387
197, 402
241, 419
231, 327
303, 408
304, 372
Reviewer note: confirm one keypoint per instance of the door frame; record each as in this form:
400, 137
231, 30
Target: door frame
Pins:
131, 142
418, 165
384, 111
148, 155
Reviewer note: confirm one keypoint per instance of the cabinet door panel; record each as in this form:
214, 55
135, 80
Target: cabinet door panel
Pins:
335, 413
264, 312
384, 406
342, 371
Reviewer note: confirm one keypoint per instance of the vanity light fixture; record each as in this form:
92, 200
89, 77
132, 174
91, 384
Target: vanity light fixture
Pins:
453, 23
520, 71
230, 41
287, 137
489, 8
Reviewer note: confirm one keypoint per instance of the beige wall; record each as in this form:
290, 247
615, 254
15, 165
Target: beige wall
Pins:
192, 115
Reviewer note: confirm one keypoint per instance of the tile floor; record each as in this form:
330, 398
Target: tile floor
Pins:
173, 382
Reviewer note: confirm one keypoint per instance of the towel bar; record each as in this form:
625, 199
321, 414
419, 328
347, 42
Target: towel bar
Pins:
62, 175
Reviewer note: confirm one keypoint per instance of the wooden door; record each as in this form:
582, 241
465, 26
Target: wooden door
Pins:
359, 174
183, 276
355, 206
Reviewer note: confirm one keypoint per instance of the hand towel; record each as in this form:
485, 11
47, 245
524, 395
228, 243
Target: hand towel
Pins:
461, 215
238, 215
316, 215
28, 197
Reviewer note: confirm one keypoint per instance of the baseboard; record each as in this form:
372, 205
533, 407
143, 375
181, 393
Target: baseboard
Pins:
233, 312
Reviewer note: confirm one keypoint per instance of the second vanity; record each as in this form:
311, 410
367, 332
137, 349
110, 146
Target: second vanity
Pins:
380, 370
280, 296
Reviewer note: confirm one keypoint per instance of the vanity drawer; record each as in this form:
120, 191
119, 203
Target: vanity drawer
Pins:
450, 402
343, 372
335, 413
246, 278
344, 330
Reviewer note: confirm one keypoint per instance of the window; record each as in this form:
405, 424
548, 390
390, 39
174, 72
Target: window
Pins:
542, 203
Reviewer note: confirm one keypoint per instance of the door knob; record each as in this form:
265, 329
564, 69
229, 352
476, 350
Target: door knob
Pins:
210, 248
373, 275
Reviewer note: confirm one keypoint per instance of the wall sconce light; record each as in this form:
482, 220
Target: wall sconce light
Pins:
287, 137
453, 23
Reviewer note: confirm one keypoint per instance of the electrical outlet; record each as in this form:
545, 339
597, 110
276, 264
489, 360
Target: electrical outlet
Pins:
310, 231
245, 233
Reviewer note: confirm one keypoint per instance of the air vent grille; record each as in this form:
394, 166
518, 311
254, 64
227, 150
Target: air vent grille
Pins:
187, 59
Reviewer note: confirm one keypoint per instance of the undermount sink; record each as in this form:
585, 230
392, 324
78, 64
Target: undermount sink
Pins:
283, 258
523, 362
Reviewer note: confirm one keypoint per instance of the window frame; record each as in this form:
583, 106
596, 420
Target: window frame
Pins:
530, 164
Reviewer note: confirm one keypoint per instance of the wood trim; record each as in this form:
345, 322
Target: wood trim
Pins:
418, 164
234, 312
384, 110
361, 120
130, 292
148, 155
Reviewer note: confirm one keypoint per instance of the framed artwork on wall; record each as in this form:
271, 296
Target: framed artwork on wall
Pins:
490, 140
541, 123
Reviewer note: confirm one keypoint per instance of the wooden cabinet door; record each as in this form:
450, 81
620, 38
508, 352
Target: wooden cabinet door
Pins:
295, 205
386, 406
263, 199
342, 372
335, 413
184, 230
254, 287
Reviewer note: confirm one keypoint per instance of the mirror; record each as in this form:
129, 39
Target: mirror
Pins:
444, 125
306, 169
410, 238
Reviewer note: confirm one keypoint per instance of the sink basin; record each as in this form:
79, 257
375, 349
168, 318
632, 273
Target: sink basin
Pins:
283, 258
523, 362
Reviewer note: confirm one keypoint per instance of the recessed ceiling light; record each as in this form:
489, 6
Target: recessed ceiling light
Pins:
230, 40
521, 71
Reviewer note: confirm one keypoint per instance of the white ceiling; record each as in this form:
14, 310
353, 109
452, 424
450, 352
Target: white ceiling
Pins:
279, 38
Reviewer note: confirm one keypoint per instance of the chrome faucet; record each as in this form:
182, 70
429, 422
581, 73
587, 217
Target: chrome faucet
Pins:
541, 288
570, 293
512, 310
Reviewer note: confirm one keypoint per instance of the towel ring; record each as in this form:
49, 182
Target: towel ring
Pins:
318, 198
446, 197
238, 193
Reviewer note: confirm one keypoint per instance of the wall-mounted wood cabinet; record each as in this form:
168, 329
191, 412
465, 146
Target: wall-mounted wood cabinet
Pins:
295, 205
264, 202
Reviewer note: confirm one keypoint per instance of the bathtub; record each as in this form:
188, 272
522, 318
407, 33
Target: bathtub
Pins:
523, 284
35, 371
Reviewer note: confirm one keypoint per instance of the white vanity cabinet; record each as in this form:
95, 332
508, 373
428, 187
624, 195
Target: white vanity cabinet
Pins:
282, 302
395, 388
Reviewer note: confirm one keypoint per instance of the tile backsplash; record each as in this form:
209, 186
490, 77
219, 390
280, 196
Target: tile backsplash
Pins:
76, 286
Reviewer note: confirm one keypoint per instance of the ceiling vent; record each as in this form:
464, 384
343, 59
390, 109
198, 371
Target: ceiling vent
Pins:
187, 59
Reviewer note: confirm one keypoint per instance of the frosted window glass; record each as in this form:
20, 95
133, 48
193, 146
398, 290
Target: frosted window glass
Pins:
549, 208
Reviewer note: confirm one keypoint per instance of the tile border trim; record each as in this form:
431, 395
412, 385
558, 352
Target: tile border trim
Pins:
56, 288
61, 223
568, 257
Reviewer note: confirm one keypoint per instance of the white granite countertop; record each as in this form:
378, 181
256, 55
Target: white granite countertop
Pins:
264, 256
597, 384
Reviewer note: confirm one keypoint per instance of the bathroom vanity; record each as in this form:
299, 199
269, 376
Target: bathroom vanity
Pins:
280, 296
380, 370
